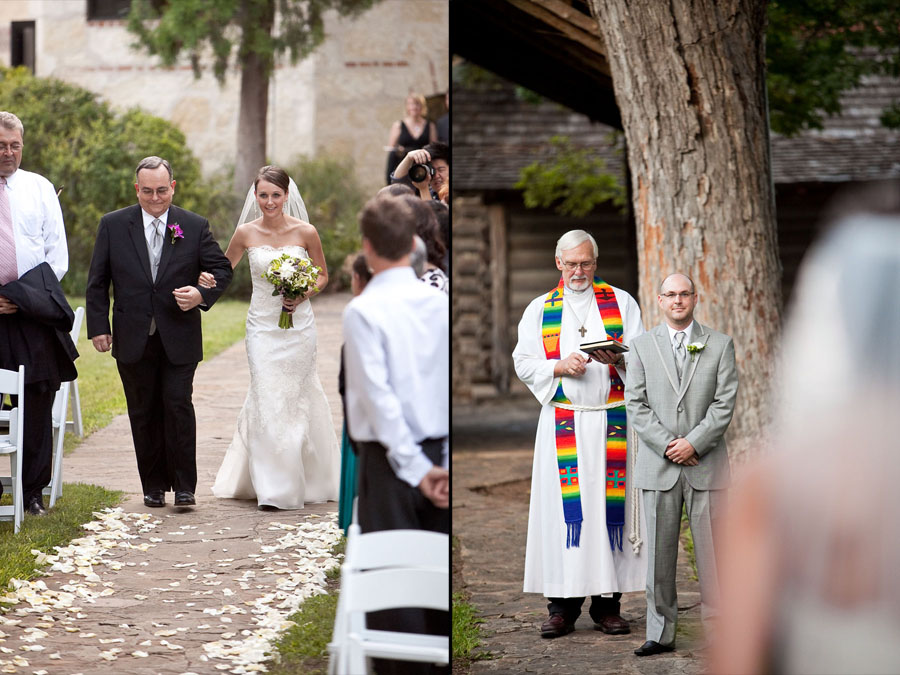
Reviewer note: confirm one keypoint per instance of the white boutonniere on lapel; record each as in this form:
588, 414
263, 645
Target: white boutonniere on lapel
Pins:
695, 348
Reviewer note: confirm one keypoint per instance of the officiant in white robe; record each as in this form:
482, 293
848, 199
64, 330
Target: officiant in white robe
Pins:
567, 573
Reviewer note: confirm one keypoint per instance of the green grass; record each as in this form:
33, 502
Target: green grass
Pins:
99, 385
61, 524
687, 539
303, 648
466, 635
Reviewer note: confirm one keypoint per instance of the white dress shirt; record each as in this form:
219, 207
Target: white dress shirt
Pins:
397, 368
37, 223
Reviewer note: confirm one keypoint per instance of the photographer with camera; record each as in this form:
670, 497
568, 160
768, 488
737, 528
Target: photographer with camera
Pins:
427, 169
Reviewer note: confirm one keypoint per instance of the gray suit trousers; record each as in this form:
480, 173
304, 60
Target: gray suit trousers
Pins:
662, 509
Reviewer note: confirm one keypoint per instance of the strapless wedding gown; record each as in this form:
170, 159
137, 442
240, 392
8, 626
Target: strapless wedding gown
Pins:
284, 452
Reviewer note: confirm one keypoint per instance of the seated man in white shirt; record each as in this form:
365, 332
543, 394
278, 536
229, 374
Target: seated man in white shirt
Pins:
397, 359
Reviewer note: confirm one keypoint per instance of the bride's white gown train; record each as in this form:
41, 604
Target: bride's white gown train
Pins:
284, 452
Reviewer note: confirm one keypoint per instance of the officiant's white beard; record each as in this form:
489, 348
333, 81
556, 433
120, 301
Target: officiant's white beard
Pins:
586, 281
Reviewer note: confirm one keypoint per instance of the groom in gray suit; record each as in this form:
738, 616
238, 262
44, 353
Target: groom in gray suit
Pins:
680, 394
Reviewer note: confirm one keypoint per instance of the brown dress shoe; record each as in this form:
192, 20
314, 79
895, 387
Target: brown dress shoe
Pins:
612, 625
556, 626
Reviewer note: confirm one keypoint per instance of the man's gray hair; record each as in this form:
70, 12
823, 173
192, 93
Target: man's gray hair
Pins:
574, 238
152, 162
10, 121
418, 255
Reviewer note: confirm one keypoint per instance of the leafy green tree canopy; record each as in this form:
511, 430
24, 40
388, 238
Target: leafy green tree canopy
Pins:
234, 28
574, 181
816, 49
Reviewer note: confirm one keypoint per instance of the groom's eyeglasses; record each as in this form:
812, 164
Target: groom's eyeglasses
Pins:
162, 192
684, 295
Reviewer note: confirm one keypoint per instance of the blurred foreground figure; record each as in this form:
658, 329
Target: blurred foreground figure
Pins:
811, 552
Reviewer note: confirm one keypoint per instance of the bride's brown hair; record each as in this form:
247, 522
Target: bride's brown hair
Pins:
275, 175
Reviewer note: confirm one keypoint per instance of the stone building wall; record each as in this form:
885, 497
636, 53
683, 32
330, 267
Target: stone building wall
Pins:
341, 100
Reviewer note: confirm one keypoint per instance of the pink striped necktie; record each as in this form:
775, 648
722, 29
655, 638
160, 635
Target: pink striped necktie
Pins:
9, 269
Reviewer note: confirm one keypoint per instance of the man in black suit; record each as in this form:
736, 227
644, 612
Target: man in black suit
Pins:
153, 253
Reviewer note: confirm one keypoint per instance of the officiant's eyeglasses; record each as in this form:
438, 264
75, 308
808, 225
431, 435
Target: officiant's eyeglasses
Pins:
586, 265
12, 147
684, 295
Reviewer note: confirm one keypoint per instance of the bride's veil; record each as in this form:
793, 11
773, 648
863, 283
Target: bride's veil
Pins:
294, 205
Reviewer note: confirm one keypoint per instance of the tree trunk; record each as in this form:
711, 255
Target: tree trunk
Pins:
254, 110
689, 79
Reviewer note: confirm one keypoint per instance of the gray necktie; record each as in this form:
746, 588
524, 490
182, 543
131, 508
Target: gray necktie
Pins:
679, 352
156, 243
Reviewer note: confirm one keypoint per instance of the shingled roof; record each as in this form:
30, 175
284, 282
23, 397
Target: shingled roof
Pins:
496, 134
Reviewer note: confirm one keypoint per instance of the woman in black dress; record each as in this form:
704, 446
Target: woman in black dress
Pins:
413, 132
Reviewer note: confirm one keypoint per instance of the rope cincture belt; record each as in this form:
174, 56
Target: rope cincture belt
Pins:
564, 417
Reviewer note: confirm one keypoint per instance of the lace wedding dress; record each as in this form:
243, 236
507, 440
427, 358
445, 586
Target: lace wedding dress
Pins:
284, 452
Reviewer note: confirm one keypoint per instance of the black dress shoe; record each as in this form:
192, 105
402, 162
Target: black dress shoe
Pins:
35, 507
556, 626
649, 648
184, 498
266, 507
155, 498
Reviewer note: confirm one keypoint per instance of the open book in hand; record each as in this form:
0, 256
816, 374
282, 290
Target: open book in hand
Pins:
611, 345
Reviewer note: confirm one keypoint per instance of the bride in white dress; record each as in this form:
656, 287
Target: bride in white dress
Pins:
284, 452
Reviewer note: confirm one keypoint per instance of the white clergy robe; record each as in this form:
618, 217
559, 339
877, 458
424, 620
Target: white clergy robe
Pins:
592, 568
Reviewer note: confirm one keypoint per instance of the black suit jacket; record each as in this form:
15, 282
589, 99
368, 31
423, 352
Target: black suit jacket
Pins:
121, 258
37, 335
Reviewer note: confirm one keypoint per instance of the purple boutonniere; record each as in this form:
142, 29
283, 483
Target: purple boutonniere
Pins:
175, 231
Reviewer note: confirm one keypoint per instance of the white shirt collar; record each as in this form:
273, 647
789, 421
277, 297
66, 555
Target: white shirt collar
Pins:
687, 333
148, 219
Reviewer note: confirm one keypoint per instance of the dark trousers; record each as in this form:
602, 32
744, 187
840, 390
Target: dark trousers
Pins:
162, 419
388, 503
570, 608
37, 438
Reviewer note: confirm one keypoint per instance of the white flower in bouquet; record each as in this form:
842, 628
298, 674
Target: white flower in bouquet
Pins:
292, 278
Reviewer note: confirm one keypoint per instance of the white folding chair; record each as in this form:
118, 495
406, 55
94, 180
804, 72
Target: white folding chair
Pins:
13, 382
389, 570
75, 425
61, 423
60, 406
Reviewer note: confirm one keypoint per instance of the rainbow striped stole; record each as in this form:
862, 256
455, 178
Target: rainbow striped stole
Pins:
616, 428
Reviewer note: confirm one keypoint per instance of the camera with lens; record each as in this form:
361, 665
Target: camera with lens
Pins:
421, 172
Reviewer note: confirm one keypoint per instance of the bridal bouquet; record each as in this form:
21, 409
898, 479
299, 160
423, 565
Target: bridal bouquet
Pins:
292, 278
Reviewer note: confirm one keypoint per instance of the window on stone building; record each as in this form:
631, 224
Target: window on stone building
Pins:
22, 43
100, 10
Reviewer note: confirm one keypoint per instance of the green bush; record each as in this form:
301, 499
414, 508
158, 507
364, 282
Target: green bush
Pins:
82, 146
333, 198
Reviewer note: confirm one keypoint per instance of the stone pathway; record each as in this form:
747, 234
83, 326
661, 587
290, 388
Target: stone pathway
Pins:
492, 459
199, 590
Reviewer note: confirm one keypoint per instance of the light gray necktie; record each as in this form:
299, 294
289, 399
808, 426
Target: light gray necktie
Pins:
679, 352
156, 243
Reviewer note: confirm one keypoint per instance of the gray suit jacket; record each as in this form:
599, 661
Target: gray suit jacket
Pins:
699, 410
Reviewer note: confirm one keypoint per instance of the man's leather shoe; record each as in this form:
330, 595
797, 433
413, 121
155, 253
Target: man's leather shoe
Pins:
556, 626
612, 625
36, 507
184, 498
155, 498
649, 648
